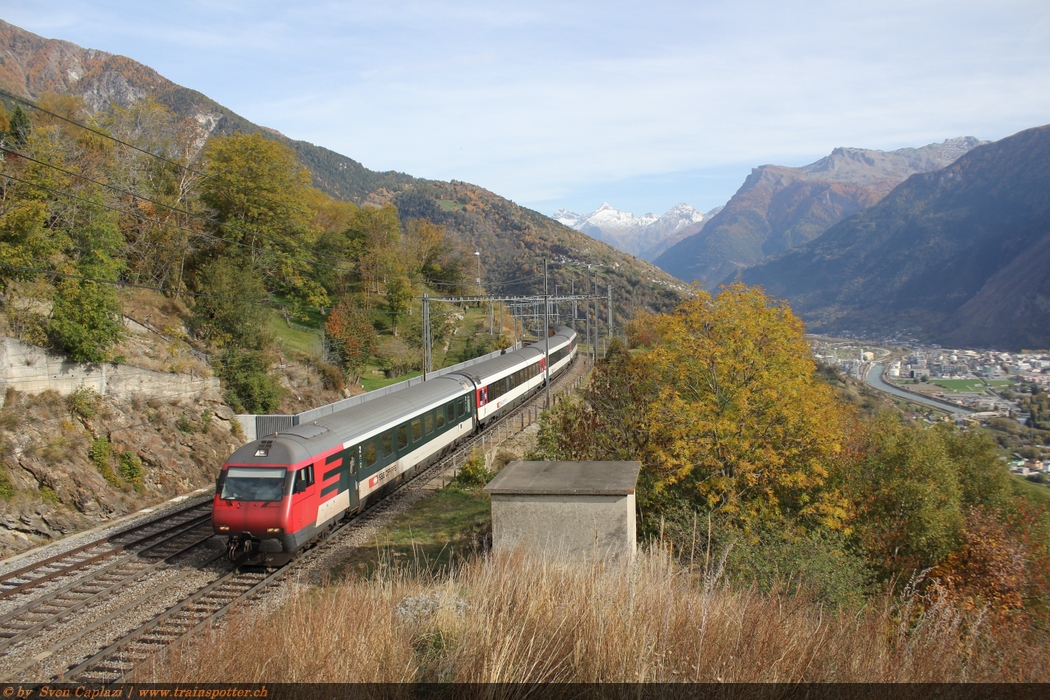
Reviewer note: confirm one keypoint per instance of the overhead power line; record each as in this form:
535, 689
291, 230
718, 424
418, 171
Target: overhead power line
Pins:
28, 103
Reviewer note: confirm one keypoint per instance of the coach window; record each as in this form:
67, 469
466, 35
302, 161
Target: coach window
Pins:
402, 437
440, 417
450, 412
368, 453
428, 423
387, 442
417, 430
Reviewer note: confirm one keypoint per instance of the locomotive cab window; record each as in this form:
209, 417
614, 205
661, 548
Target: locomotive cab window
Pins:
402, 437
303, 478
368, 454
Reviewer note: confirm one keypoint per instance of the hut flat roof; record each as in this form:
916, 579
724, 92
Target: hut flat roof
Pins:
558, 478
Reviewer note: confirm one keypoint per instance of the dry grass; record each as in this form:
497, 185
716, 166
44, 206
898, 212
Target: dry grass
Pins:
511, 619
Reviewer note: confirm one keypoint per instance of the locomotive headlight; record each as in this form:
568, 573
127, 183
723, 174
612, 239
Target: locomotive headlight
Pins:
224, 528
273, 530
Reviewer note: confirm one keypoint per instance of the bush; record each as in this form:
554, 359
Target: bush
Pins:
131, 468
84, 402
473, 473
331, 376
818, 564
100, 454
249, 387
7, 489
502, 459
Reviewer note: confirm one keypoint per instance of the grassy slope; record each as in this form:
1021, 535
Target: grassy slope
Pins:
1038, 494
428, 536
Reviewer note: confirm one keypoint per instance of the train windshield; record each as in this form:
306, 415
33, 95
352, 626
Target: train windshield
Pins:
251, 484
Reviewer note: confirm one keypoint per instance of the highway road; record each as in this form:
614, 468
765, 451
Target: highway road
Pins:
874, 378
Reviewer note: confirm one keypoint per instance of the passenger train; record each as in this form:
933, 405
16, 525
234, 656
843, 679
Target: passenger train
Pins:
278, 494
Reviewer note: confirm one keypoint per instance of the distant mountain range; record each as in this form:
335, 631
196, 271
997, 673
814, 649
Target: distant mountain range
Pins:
642, 236
959, 256
778, 207
513, 240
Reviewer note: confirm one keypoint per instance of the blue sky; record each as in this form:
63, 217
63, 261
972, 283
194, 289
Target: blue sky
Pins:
568, 104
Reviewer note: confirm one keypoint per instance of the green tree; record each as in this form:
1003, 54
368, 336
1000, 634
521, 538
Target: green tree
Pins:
20, 127
85, 320
909, 500
398, 300
231, 310
250, 388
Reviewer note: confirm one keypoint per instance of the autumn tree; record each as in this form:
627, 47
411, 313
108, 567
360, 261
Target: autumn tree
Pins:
163, 219
724, 412
741, 423
351, 331
259, 196
377, 231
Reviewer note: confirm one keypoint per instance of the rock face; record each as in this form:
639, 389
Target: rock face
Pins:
778, 208
55, 483
958, 256
645, 236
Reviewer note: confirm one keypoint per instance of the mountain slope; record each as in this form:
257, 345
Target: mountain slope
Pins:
960, 255
778, 208
31, 65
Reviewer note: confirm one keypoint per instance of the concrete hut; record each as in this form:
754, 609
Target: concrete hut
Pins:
573, 509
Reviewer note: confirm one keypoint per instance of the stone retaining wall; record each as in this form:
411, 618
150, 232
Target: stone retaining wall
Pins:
33, 370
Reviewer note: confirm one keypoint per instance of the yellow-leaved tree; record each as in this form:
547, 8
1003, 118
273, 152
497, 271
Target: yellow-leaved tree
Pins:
725, 412
741, 421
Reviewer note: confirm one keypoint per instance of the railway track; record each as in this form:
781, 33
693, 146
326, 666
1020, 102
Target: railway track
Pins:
75, 561
115, 568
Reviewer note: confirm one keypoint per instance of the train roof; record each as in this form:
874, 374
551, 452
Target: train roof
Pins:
304, 442
482, 372
351, 425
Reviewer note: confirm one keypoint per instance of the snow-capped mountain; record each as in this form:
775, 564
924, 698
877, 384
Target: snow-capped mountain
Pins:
642, 236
